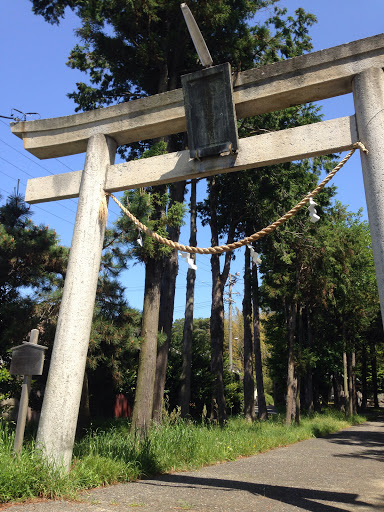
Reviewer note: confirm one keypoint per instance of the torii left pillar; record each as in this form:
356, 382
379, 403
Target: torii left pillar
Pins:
57, 427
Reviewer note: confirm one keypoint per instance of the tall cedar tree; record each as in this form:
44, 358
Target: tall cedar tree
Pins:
153, 209
186, 365
248, 381
286, 250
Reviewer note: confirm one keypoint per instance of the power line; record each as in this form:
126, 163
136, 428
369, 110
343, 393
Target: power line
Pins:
36, 162
23, 183
39, 207
61, 218
198, 304
19, 168
8, 193
26, 156
44, 168
12, 177
65, 165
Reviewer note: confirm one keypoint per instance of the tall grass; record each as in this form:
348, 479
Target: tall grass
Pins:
111, 454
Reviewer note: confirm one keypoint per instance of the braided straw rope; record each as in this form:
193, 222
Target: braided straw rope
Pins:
235, 245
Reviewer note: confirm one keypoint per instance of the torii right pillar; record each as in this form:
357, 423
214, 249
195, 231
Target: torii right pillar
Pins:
368, 93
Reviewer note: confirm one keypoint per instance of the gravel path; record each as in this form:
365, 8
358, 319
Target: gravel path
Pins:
343, 472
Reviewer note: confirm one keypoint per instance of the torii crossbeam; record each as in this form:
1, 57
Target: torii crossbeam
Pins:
354, 67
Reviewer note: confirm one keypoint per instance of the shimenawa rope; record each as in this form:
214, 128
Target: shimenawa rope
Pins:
260, 234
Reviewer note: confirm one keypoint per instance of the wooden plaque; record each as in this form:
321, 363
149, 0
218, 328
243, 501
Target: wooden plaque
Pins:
210, 111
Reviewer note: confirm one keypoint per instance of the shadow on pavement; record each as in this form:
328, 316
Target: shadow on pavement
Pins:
300, 497
371, 444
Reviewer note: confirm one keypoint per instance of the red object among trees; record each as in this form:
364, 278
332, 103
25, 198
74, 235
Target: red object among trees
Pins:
122, 408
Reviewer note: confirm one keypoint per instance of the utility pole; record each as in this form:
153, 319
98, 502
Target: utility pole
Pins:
232, 279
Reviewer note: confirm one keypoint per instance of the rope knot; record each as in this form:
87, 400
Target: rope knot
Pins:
360, 145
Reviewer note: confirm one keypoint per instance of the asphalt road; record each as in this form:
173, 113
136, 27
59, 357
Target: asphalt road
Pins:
342, 472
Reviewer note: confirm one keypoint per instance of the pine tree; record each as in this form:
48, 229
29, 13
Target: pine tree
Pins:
30, 258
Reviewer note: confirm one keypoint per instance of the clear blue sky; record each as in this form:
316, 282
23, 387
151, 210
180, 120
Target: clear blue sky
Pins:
36, 79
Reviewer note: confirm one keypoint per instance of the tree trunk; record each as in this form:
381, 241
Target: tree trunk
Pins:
298, 404
374, 374
186, 368
364, 384
345, 369
299, 344
316, 393
261, 403
353, 381
217, 309
291, 378
350, 384
217, 337
142, 410
307, 378
337, 391
167, 300
167, 81
248, 382
167, 296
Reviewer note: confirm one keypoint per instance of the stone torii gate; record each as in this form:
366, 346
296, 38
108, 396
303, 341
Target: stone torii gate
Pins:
354, 67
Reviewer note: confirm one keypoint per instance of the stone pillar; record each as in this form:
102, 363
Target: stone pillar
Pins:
368, 93
57, 427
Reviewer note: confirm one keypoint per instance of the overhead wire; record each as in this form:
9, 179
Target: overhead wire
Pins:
44, 168
25, 172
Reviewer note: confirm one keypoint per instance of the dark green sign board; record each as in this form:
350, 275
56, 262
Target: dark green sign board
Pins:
210, 112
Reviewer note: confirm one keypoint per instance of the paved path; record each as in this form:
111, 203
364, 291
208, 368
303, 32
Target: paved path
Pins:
343, 472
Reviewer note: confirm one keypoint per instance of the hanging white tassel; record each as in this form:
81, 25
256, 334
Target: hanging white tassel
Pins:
313, 217
254, 255
188, 259
140, 239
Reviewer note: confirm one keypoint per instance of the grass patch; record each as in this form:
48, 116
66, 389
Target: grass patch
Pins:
111, 454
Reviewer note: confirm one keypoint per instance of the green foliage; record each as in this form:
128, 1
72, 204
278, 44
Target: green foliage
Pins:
159, 148
201, 375
30, 255
5, 388
146, 207
330, 274
113, 348
153, 208
32, 266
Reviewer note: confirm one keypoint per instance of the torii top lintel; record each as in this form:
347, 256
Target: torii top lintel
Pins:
315, 76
